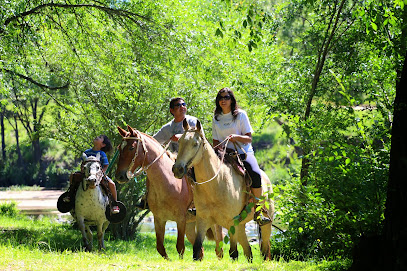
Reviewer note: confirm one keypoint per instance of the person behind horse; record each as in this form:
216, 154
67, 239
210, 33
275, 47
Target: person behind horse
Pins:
101, 145
171, 132
231, 123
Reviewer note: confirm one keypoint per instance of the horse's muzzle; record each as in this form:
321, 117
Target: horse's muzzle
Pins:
179, 171
91, 182
121, 177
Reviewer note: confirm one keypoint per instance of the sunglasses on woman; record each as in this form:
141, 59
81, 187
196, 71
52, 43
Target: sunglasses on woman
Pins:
226, 98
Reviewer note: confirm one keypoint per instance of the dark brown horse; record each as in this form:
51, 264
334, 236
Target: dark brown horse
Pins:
168, 197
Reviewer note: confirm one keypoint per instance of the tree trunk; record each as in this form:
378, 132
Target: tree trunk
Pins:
35, 137
395, 224
389, 251
20, 160
3, 142
323, 53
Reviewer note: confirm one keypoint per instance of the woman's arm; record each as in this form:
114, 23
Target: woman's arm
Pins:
247, 138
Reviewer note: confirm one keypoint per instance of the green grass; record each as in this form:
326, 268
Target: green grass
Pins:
21, 188
27, 244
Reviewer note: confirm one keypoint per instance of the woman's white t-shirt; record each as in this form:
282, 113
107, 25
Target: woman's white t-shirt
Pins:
225, 125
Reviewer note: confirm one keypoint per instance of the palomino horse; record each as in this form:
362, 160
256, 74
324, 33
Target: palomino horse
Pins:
168, 197
219, 194
91, 202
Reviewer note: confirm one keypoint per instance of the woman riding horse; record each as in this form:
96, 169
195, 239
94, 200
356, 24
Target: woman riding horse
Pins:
232, 124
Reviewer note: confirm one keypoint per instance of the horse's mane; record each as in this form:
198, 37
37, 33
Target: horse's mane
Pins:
92, 159
171, 155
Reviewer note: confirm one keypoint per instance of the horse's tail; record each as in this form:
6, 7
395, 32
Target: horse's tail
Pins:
259, 236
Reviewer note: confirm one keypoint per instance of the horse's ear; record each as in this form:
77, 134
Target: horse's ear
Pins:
122, 131
131, 130
98, 156
84, 157
199, 128
198, 125
185, 125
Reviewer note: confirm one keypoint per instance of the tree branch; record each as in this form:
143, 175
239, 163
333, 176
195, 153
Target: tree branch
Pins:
120, 12
29, 79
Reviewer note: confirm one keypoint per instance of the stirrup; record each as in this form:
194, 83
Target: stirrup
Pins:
192, 211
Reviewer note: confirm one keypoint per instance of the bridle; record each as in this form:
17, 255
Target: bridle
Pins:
203, 141
143, 169
97, 174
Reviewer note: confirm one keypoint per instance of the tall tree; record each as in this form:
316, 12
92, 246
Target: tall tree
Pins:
3, 138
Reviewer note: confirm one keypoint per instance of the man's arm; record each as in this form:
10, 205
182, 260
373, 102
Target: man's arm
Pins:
163, 134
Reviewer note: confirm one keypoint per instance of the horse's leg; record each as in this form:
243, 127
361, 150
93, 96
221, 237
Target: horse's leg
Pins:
202, 227
218, 237
90, 237
242, 239
233, 253
81, 225
190, 232
191, 236
264, 241
101, 234
181, 237
159, 235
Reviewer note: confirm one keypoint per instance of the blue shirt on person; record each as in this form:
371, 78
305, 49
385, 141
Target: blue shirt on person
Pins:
103, 157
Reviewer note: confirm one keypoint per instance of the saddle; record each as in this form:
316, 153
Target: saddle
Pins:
234, 159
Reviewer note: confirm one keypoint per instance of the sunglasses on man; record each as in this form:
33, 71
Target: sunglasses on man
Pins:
180, 104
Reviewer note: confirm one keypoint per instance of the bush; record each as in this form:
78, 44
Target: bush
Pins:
53, 171
9, 209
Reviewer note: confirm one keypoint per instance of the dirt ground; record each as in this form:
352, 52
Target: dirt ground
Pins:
34, 202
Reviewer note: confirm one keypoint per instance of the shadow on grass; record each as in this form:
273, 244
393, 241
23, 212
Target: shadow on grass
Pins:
56, 237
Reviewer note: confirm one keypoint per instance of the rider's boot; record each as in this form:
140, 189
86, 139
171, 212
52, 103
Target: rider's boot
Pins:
261, 216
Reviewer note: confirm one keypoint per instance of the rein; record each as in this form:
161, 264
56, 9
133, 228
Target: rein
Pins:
220, 162
142, 169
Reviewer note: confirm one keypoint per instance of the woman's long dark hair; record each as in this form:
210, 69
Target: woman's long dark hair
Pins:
108, 144
234, 106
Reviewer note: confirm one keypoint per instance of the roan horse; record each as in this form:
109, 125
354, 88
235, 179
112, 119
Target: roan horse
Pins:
91, 202
168, 197
219, 194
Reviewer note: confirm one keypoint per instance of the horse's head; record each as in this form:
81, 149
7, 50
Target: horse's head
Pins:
190, 149
92, 169
131, 154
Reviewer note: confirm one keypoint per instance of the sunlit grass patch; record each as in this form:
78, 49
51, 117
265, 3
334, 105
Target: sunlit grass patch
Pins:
21, 188
27, 244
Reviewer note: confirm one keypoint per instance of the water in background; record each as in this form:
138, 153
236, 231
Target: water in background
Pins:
171, 228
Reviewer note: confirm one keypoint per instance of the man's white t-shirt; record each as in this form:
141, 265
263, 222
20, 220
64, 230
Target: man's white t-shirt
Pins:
173, 128
225, 125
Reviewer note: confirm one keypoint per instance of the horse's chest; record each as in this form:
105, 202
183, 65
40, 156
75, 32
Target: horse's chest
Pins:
90, 205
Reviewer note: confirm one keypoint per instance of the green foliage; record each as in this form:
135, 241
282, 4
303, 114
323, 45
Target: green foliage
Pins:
90, 69
328, 215
52, 173
9, 209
